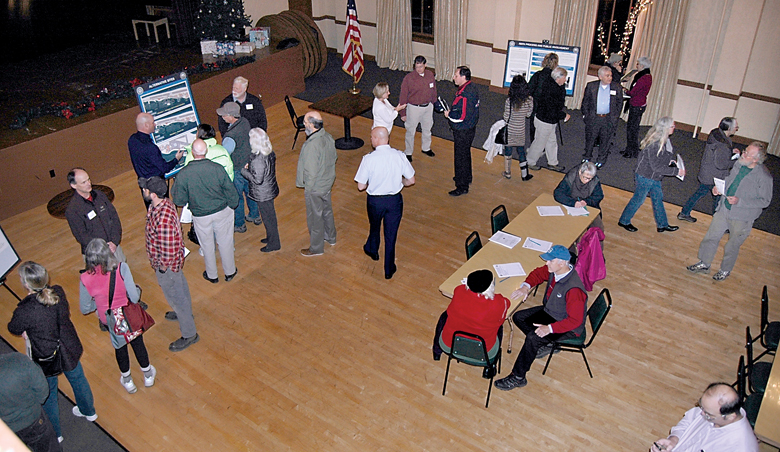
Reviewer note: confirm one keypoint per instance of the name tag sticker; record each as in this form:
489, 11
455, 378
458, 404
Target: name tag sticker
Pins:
430, 85
612, 92
252, 107
91, 214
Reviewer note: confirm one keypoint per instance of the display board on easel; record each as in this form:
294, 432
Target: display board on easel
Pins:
8, 259
525, 58
169, 100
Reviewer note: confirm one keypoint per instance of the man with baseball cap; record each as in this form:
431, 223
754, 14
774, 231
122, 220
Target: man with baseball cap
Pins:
236, 141
475, 308
561, 315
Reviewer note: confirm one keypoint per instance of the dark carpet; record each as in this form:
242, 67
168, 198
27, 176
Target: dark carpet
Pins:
80, 435
618, 171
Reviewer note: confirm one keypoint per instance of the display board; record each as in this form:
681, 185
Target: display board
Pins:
169, 100
8, 256
526, 58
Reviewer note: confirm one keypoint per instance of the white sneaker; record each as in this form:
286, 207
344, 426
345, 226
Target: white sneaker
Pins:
149, 379
77, 413
129, 385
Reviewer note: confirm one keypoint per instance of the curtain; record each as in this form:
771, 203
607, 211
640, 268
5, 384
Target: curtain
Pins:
574, 22
774, 142
394, 34
450, 20
663, 26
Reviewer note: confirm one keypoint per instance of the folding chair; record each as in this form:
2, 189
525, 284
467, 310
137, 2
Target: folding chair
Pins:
470, 349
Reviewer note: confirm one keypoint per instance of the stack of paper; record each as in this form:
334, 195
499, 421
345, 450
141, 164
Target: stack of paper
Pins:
550, 211
577, 211
507, 270
504, 239
537, 245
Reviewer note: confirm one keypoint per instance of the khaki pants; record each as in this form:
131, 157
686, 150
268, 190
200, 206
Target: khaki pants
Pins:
424, 117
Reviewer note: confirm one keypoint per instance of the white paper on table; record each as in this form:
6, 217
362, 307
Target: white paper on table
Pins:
681, 166
507, 270
720, 184
537, 245
550, 211
504, 239
577, 211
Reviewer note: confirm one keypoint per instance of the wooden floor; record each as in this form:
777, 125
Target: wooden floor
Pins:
323, 353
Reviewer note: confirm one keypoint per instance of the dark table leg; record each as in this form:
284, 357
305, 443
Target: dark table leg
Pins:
348, 142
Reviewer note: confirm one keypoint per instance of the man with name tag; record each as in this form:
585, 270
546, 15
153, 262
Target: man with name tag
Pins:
418, 92
601, 105
561, 315
251, 107
384, 173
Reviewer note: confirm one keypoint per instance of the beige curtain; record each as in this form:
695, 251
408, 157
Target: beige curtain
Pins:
450, 20
574, 22
663, 26
774, 142
394, 34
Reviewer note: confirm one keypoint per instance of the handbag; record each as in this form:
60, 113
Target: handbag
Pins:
502, 137
137, 318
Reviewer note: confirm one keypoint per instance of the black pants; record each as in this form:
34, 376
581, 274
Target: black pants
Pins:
600, 128
39, 436
123, 357
389, 209
268, 214
463, 140
532, 342
632, 130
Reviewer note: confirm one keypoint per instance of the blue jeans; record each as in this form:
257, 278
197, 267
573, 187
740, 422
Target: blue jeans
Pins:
519, 151
643, 187
242, 187
696, 196
81, 391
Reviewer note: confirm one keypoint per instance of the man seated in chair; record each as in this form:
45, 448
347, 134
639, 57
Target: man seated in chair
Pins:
717, 424
475, 308
561, 315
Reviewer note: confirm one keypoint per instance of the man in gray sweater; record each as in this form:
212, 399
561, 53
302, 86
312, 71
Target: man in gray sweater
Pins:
316, 174
748, 192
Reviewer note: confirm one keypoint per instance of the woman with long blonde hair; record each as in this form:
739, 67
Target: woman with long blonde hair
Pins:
656, 160
44, 315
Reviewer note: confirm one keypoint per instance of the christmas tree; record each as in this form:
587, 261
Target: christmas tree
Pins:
221, 20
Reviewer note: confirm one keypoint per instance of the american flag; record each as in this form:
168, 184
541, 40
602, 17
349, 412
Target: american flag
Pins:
353, 48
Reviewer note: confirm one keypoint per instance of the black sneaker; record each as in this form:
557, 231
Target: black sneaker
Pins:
511, 382
681, 216
206, 277
489, 372
459, 191
409, 157
429, 153
171, 315
182, 343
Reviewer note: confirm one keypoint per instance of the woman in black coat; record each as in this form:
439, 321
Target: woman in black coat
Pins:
44, 316
261, 174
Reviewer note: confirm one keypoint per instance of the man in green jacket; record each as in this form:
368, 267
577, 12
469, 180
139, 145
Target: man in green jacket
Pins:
316, 174
212, 198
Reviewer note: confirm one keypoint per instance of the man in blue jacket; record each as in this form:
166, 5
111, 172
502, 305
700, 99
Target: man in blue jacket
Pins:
463, 116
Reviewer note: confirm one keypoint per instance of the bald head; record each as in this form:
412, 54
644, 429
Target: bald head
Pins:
144, 122
199, 149
312, 121
379, 136
721, 404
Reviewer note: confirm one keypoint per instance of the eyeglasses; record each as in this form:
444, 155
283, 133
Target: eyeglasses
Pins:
708, 416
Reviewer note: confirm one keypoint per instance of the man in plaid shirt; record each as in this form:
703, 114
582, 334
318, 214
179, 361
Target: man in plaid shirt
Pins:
165, 248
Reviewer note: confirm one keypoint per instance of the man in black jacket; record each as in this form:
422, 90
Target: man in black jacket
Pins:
601, 106
463, 116
91, 215
549, 100
251, 106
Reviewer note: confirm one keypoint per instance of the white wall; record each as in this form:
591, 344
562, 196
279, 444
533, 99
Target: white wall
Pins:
746, 55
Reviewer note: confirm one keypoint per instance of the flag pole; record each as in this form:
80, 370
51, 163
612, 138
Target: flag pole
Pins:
354, 89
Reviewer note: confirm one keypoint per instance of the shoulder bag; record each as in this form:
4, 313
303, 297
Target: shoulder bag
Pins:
502, 137
52, 364
137, 318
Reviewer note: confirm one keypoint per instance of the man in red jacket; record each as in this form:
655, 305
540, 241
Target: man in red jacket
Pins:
475, 308
561, 315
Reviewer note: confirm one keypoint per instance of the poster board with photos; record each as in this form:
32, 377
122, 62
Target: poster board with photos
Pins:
8, 256
525, 58
169, 100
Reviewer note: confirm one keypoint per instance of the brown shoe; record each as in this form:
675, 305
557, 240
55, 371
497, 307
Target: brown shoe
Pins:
307, 252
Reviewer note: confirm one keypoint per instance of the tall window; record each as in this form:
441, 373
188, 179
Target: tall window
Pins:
422, 20
615, 25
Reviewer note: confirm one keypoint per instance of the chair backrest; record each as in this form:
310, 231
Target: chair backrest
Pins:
749, 350
764, 309
469, 348
499, 218
598, 312
291, 111
741, 380
473, 244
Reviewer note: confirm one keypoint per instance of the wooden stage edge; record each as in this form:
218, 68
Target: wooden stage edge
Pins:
322, 353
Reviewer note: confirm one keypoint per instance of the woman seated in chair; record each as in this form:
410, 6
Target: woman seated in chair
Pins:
581, 187
475, 308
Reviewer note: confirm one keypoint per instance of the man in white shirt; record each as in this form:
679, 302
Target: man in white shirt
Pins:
384, 173
717, 424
